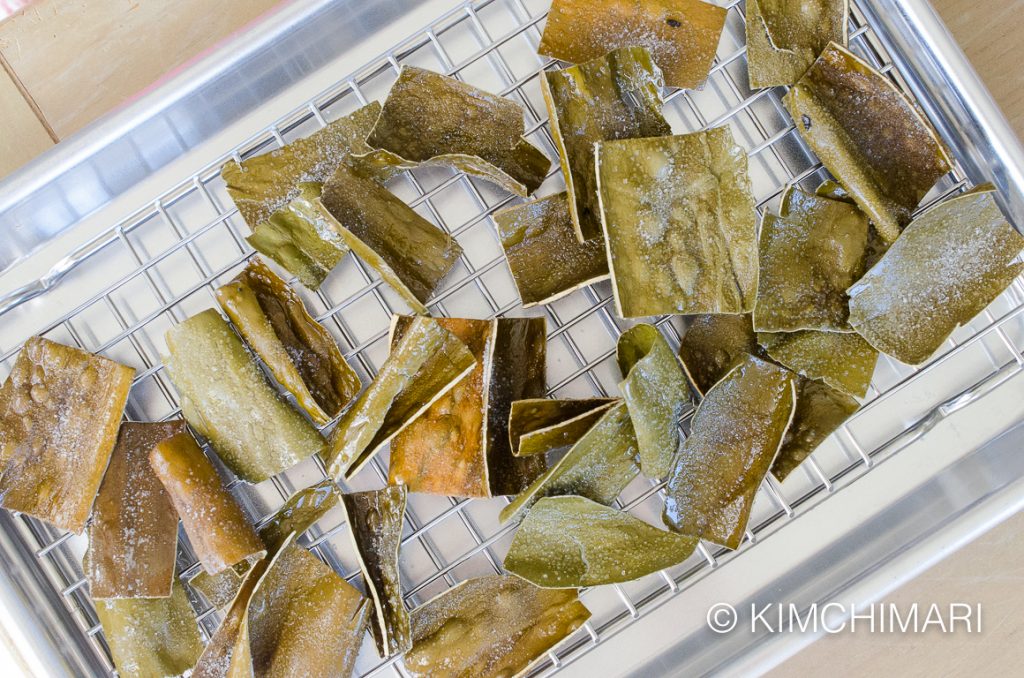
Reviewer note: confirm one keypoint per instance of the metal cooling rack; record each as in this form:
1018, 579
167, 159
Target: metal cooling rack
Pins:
164, 262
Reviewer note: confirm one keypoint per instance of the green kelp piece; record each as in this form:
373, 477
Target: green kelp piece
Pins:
300, 353
154, 637
948, 265
681, 35
375, 523
735, 436
410, 253
598, 466
869, 136
832, 190
490, 627
432, 119
843, 360
679, 224
541, 425
784, 37
656, 393
546, 260
820, 410
570, 542
221, 588
713, 345
616, 96
227, 399
264, 184
427, 362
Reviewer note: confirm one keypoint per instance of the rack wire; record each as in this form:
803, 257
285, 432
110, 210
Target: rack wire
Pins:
163, 263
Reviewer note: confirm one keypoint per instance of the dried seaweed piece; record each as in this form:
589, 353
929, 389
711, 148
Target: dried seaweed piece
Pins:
656, 393
615, 96
869, 136
459, 446
784, 37
542, 426
735, 436
227, 399
948, 265
151, 636
679, 222
569, 542
427, 363
59, 412
598, 466
221, 588
431, 119
546, 260
681, 35
133, 534
375, 523
843, 360
489, 627
713, 345
820, 410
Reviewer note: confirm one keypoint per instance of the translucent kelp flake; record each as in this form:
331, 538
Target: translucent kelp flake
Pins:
542, 425
784, 37
714, 344
843, 360
820, 410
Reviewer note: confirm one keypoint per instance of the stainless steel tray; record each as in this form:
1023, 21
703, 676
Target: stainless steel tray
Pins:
116, 234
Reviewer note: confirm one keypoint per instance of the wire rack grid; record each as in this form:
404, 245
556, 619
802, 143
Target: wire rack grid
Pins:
163, 263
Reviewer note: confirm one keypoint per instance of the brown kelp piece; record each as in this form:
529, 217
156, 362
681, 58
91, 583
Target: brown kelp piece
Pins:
265, 183
615, 96
301, 354
601, 463
569, 542
681, 35
216, 526
59, 413
375, 523
948, 265
429, 118
133, 534
423, 366
490, 627
784, 37
546, 260
459, 446
228, 400
843, 360
656, 393
221, 588
542, 425
713, 345
735, 436
820, 410
832, 190
151, 636
679, 224
869, 136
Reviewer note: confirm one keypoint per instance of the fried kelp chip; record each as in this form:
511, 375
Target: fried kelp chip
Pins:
569, 542
375, 523
427, 362
431, 119
228, 400
216, 526
541, 425
616, 96
546, 260
843, 360
59, 412
681, 35
490, 627
656, 393
602, 462
784, 37
679, 223
734, 437
301, 354
151, 636
820, 410
133, 534
263, 184
459, 446
713, 345
869, 136
948, 265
